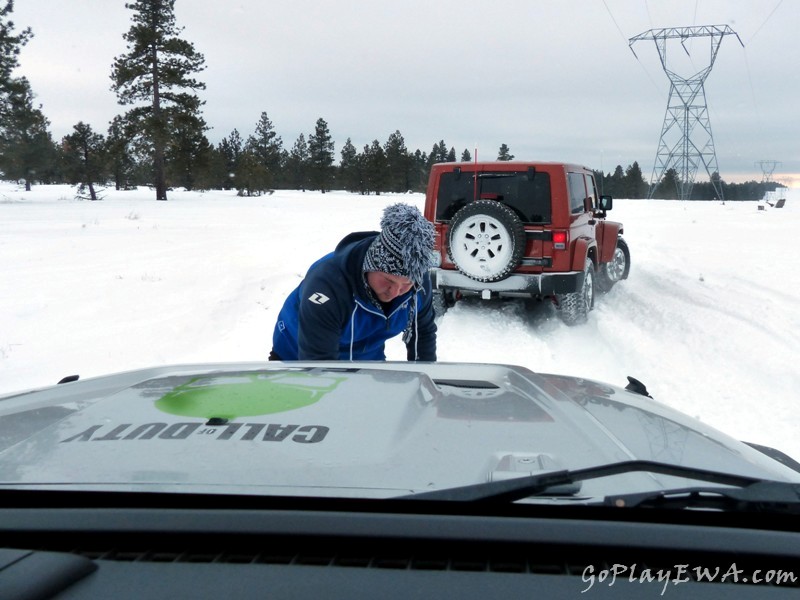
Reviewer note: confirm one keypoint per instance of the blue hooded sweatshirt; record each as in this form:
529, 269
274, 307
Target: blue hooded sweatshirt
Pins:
332, 316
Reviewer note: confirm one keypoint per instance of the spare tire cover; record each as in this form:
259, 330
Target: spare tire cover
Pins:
486, 241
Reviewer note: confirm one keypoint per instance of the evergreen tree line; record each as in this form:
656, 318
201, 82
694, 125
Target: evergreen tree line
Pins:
630, 183
161, 139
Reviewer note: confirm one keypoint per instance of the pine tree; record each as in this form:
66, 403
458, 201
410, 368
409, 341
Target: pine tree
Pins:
374, 168
635, 185
119, 154
397, 163
297, 164
230, 148
420, 169
216, 175
349, 168
611, 184
504, 154
439, 153
157, 66
10, 46
26, 148
251, 177
670, 185
266, 146
84, 158
466, 156
188, 153
25, 144
320, 150
618, 178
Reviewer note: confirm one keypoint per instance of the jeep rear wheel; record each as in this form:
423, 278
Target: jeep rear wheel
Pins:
442, 300
573, 308
486, 240
616, 269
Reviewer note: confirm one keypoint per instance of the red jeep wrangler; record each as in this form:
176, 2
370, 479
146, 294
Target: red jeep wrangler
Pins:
524, 230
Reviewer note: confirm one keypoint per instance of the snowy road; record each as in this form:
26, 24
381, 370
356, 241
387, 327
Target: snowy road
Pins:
708, 319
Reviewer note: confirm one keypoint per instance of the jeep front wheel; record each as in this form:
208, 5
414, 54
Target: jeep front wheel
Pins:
574, 307
486, 240
616, 269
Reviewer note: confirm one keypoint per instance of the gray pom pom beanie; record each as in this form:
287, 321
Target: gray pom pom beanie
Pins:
405, 244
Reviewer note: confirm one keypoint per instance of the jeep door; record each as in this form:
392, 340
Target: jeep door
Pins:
582, 200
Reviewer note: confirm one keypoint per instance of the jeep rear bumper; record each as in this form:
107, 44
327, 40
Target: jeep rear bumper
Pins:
517, 284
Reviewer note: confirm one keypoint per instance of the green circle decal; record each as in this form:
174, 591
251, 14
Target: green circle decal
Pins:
245, 394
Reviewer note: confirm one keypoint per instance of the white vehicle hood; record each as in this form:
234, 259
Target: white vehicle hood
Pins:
368, 430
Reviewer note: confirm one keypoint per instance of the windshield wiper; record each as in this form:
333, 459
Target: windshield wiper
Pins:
760, 496
509, 490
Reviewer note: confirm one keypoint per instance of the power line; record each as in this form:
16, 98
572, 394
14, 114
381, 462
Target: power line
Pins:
686, 139
624, 37
769, 16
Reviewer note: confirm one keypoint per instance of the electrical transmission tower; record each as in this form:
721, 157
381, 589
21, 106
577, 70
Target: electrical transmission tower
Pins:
686, 140
767, 169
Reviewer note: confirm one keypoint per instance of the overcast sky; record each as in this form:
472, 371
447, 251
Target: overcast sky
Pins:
552, 80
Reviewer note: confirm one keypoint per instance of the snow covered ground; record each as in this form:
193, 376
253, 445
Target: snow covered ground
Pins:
708, 320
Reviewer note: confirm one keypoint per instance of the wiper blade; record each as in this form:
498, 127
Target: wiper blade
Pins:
761, 496
509, 490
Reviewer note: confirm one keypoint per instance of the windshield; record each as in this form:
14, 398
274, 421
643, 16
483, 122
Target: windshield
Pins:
225, 267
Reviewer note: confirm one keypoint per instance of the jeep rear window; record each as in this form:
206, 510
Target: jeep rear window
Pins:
528, 194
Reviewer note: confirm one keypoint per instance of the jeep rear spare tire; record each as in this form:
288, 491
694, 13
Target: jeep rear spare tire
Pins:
486, 240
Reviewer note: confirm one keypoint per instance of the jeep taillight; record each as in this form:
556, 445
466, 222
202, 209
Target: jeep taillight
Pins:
559, 240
